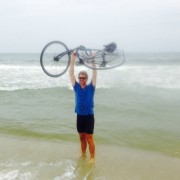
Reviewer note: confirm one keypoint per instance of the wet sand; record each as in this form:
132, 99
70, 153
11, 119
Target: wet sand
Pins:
37, 159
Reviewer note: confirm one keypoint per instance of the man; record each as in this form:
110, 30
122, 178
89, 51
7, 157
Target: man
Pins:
84, 99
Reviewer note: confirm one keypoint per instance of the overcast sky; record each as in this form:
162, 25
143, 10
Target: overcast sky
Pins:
135, 25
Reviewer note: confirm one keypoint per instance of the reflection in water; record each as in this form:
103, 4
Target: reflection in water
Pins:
84, 169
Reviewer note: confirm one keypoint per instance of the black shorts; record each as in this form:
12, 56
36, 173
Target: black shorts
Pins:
85, 124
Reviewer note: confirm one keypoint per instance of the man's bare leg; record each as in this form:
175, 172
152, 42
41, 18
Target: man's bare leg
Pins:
82, 137
90, 140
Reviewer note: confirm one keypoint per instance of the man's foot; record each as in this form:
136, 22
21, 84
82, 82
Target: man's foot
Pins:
91, 161
84, 155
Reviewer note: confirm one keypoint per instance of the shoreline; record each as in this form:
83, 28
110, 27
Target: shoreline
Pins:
48, 160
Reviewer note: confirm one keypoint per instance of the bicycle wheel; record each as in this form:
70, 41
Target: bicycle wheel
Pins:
105, 60
55, 59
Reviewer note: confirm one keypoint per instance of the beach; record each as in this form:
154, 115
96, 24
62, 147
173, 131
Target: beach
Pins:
29, 159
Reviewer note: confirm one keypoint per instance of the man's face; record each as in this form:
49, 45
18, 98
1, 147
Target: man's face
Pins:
82, 79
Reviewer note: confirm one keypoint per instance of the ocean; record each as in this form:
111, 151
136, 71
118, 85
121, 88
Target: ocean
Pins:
137, 121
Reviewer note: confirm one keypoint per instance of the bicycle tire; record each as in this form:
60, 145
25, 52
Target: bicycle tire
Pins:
112, 60
51, 66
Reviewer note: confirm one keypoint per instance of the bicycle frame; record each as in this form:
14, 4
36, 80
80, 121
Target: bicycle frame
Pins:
56, 58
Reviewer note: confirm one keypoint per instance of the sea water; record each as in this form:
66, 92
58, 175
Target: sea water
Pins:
137, 120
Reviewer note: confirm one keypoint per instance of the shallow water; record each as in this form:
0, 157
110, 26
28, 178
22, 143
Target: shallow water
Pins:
37, 159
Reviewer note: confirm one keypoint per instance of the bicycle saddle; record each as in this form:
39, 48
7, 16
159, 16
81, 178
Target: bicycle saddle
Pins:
110, 47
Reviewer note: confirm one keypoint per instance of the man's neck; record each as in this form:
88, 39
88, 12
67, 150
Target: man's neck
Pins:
83, 85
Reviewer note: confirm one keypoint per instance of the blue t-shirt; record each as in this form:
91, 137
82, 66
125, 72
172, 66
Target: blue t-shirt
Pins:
84, 98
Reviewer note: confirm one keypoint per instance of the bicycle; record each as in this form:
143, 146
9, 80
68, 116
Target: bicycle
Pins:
55, 58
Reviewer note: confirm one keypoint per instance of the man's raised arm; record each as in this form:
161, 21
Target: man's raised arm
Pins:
94, 72
71, 69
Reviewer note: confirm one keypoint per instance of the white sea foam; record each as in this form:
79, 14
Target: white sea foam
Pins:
9, 175
14, 77
25, 170
69, 171
14, 174
151, 76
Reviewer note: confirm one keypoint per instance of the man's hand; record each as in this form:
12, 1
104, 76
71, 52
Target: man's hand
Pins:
73, 56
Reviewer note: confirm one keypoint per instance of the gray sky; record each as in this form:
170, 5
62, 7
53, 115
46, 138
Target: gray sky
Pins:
135, 25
